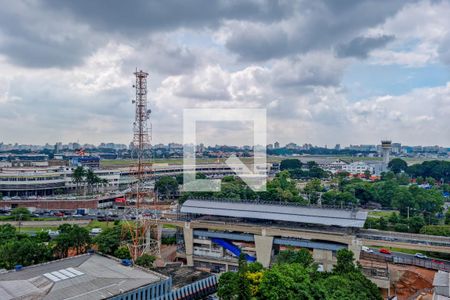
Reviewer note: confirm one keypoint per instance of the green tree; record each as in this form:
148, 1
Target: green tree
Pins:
416, 223
78, 177
71, 236
109, 240
401, 227
80, 238
447, 219
382, 223
312, 190
244, 292
255, 267
394, 218
92, 180
384, 192
21, 214
345, 262
302, 257
285, 282
290, 164
24, 252
442, 230
166, 187
145, 260
122, 253
403, 200
7, 232
353, 285
397, 165
228, 286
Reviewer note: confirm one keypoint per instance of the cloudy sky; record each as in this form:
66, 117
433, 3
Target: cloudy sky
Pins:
328, 71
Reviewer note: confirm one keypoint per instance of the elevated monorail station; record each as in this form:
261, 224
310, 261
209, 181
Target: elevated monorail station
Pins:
351, 218
216, 232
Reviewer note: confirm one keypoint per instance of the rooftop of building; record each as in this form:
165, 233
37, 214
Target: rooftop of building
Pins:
183, 275
276, 212
89, 276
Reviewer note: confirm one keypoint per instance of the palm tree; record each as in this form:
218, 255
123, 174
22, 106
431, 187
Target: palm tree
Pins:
91, 179
78, 176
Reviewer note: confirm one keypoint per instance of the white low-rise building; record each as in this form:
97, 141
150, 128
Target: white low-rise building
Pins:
358, 167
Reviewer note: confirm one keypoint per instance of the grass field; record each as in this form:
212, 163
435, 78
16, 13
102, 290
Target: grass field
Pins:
37, 228
176, 161
248, 160
92, 224
381, 213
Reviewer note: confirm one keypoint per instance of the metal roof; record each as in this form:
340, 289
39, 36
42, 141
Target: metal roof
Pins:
92, 277
273, 212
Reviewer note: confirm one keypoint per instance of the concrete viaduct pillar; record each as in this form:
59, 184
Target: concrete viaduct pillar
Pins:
263, 245
188, 233
355, 247
325, 258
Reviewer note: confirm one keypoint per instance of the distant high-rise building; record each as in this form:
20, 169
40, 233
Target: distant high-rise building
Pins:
276, 145
396, 148
337, 147
292, 146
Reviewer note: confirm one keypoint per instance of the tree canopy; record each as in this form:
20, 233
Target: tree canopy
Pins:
397, 165
293, 277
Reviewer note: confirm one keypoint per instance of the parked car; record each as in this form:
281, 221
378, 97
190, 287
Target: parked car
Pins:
437, 262
366, 249
96, 231
385, 251
53, 234
420, 255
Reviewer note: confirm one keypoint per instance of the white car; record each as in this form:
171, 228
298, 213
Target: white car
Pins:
96, 230
366, 249
421, 256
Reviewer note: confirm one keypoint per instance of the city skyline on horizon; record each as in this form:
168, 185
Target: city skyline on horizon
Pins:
281, 145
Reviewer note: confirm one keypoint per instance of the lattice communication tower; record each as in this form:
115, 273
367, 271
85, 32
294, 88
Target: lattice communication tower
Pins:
140, 228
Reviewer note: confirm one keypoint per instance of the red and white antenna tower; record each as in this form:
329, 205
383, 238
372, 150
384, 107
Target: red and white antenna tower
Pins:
141, 137
139, 230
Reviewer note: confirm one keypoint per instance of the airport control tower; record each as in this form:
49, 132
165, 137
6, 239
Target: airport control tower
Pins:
386, 147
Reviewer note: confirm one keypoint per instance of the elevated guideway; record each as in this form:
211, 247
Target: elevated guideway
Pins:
404, 240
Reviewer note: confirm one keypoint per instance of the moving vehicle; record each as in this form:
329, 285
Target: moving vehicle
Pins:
420, 255
366, 249
385, 251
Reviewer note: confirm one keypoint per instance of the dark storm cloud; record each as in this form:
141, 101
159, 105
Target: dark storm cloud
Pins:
137, 16
361, 46
34, 38
50, 33
313, 25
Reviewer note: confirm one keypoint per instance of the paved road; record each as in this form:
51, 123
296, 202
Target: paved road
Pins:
411, 258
